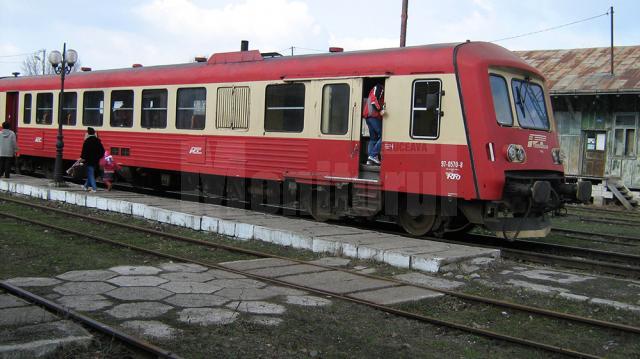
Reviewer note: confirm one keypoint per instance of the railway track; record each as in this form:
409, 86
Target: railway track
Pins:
391, 310
109, 331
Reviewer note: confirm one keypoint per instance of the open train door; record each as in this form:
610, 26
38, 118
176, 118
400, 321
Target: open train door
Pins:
11, 110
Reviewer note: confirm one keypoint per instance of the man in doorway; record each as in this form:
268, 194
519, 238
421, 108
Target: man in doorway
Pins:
8, 149
373, 112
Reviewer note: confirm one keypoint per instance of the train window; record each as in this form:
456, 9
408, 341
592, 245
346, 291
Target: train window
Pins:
335, 109
425, 111
26, 113
93, 108
191, 109
501, 101
121, 108
284, 108
154, 109
69, 107
44, 108
233, 108
530, 105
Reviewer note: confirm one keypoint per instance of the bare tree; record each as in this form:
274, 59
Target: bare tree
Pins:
34, 65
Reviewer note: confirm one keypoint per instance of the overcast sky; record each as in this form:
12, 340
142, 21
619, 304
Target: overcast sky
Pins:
118, 33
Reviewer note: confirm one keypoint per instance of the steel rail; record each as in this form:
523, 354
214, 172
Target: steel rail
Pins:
94, 324
592, 234
387, 309
496, 302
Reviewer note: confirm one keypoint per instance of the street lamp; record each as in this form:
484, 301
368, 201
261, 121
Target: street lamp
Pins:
62, 64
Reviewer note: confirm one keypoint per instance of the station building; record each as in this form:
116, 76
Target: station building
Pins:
596, 112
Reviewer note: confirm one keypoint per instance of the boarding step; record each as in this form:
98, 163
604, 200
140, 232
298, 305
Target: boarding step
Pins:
621, 193
366, 200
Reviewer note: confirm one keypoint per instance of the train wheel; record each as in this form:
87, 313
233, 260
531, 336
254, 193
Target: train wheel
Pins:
417, 225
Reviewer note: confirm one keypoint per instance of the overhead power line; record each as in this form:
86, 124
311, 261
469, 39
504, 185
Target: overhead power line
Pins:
552, 28
23, 54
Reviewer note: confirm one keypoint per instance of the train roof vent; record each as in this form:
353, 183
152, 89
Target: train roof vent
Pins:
136, 65
200, 59
234, 57
85, 69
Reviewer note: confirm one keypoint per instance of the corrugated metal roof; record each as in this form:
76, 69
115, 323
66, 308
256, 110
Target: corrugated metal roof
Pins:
588, 70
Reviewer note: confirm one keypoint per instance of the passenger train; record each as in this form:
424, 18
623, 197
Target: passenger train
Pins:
468, 135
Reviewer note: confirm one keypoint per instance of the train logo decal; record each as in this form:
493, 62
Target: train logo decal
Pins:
37, 139
195, 150
537, 141
453, 176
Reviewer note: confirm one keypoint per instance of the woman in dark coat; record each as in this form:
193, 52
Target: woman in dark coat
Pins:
92, 152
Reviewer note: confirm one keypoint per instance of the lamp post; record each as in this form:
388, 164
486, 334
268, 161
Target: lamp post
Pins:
62, 64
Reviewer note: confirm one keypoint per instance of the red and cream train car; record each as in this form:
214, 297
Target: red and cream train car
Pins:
468, 135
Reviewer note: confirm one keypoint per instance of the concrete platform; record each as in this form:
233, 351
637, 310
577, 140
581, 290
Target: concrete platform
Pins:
243, 224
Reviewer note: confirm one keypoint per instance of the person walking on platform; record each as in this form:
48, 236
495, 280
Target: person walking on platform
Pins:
92, 152
8, 149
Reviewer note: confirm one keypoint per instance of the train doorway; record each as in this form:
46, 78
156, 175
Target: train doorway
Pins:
368, 171
11, 110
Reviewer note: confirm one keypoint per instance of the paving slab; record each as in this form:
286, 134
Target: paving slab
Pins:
136, 270
183, 267
429, 281
32, 281
395, 295
85, 303
137, 281
42, 340
256, 307
139, 310
190, 287
139, 293
152, 329
10, 301
208, 316
307, 301
87, 275
196, 300
83, 288
332, 261
257, 263
25, 315
238, 283
248, 293
336, 282
196, 276
275, 272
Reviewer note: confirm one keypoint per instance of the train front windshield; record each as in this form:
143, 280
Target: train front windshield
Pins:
530, 105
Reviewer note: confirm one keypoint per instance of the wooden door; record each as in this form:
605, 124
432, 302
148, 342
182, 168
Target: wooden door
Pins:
595, 153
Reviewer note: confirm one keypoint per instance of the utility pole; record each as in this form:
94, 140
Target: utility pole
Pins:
611, 10
44, 56
292, 50
403, 23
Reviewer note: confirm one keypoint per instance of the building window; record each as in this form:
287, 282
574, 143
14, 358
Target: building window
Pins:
425, 110
233, 108
530, 105
26, 114
154, 109
284, 108
93, 105
191, 109
625, 136
122, 108
44, 108
501, 101
335, 109
69, 108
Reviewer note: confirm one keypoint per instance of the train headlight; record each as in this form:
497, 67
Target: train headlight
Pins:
516, 153
558, 156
